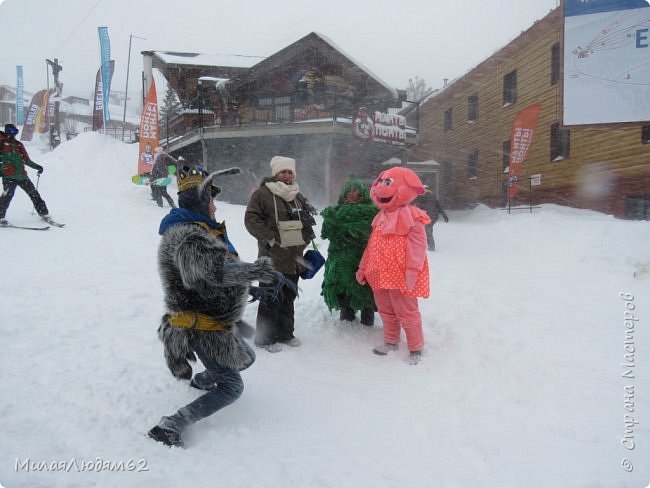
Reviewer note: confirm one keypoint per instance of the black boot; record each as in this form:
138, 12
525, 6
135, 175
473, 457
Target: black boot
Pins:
368, 317
168, 437
347, 314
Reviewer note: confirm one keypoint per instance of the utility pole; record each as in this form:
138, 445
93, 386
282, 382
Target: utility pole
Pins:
55, 128
126, 90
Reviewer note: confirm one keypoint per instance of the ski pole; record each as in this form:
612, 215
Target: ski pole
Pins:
38, 180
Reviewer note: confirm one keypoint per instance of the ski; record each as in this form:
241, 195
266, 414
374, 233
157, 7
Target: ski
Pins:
24, 227
53, 222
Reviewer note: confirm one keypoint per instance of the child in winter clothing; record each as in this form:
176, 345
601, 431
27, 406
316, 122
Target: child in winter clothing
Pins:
347, 225
394, 263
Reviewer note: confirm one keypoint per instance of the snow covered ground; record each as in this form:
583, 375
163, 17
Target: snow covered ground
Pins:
522, 383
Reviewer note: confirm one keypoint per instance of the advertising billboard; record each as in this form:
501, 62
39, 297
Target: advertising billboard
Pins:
606, 61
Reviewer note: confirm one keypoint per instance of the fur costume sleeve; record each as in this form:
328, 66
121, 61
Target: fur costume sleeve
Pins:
201, 261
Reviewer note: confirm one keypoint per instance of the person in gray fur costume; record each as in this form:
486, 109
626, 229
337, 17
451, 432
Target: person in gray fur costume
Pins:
206, 289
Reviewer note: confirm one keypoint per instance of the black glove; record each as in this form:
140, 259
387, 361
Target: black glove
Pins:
255, 292
304, 216
39, 169
273, 290
446, 218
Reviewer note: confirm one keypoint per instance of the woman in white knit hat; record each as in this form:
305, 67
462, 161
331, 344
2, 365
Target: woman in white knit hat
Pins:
281, 219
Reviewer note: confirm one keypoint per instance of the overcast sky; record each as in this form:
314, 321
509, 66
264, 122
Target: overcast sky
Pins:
395, 40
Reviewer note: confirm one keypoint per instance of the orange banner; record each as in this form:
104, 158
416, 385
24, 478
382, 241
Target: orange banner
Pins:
32, 113
42, 122
521, 138
148, 131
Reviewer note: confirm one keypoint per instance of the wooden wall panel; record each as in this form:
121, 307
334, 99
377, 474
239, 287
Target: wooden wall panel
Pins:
613, 153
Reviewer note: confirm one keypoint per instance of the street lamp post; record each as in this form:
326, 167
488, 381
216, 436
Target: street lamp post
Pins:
126, 90
55, 128
204, 146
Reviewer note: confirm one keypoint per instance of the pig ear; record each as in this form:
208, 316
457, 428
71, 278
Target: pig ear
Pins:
413, 180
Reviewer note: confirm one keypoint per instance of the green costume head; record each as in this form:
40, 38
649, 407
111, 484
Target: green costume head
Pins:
354, 183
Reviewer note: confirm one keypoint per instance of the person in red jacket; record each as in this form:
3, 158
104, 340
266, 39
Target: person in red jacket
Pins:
13, 159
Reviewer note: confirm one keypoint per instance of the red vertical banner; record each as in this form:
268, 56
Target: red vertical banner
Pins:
521, 138
148, 131
98, 104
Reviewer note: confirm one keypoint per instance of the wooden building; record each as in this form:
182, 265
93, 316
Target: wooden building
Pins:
7, 105
466, 128
304, 102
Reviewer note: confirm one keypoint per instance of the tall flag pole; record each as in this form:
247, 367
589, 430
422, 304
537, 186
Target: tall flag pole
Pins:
105, 48
148, 131
20, 102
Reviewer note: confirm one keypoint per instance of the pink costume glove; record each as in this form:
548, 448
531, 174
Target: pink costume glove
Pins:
361, 279
411, 278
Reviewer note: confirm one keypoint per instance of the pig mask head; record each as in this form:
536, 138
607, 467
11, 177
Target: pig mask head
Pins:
396, 187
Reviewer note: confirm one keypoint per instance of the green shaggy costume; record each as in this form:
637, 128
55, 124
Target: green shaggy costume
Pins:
348, 227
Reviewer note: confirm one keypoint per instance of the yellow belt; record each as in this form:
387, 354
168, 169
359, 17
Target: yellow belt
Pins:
195, 320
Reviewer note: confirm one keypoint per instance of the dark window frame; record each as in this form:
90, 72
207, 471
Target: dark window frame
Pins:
472, 165
555, 63
276, 108
645, 134
510, 88
448, 120
506, 147
560, 143
472, 108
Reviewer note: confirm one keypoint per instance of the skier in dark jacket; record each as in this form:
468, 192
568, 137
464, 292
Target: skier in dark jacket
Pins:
430, 204
161, 162
206, 289
13, 159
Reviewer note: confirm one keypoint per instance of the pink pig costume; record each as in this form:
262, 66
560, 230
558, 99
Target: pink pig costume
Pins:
394, 263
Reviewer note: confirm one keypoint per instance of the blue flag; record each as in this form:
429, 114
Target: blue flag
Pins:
20, 103
105, 47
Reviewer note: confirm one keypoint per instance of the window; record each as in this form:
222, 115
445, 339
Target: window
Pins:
645, 134
637, 207
560, 143
273, 109
555, 63
472, 165
510, 88
448, 119
505, 156
446, 172
472, 108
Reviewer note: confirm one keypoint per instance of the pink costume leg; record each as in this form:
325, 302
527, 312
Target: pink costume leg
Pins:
388, 317
407, 312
